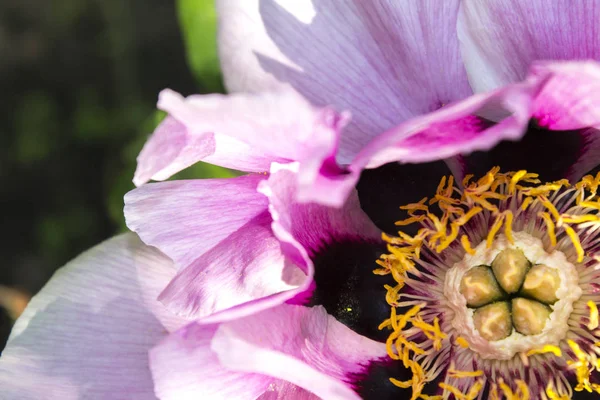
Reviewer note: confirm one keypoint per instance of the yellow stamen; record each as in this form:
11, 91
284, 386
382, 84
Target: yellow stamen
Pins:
427, 397
464, 240
410, 220
473, 392
552, 395
515, 179
453, 373
440, 187
419, 206
403, 319
580, 354
546, 203
508, 226
462, 342
544, 189
394, 320
466, 179
526, 203
484, 203
475, 389
392, 293
591, 204
590, 183
433, 332
578, 219
453, 390
402, 384
549, 227
449, 239
522, 392
546, 349
470, 214
494, 229
494, 392
576, 243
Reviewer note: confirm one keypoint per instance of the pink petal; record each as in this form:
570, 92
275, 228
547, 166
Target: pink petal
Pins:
570, 98
236, 259
185, 368
274, 353
248, 131
500, 38
303, 346
170, 150
391, 60
244, 273
218, 231
184, 219
88, 332
280, 124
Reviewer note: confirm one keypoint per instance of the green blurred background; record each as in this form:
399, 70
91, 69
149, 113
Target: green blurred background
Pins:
79, 81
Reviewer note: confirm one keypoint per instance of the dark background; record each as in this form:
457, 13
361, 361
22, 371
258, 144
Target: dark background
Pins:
79, 81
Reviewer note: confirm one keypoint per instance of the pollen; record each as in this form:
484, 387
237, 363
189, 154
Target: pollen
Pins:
510, 293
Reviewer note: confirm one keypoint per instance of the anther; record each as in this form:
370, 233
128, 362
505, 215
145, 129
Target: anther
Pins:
510, 267
479, 287
541, 283
529, 317
493, 321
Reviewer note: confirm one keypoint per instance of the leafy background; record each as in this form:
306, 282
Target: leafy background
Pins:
79, 82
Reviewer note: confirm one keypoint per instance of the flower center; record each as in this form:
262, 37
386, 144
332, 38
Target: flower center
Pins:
512, 297
497, 289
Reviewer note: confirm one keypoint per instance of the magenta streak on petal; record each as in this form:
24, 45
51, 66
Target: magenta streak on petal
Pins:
476, 123
438, 134
453, 128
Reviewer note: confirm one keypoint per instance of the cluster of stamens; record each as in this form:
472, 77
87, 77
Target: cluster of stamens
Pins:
510, 294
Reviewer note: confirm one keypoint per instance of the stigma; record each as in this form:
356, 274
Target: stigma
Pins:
497, 289
512, 297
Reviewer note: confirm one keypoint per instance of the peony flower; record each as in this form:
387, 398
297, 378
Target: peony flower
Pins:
303, 278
